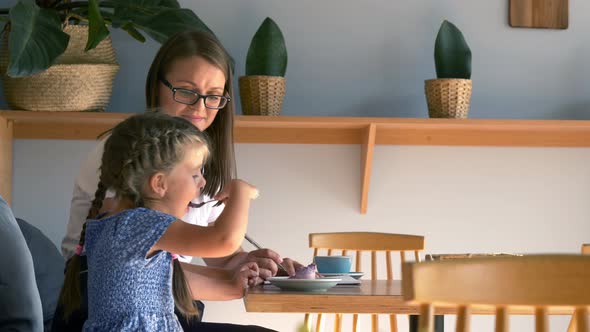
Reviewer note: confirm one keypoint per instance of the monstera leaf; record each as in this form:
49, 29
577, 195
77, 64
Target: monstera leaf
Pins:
159, 19
97, 29
36, 39
267, 54
452, 56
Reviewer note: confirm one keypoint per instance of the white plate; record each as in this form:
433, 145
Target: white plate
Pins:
356, 275
307, 285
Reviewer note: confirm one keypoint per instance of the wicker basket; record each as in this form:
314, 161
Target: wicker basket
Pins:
448, 98
262, 95
78, 81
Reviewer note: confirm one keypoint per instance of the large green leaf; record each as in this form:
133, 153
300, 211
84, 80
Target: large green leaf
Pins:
133, 32
452, 56
267, 54
36, 39
158, 22
97, 29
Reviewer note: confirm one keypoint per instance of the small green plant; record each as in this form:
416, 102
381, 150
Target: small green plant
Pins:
452, 56
36, 38
267, 54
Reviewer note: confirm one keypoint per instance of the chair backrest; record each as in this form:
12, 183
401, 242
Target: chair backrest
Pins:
538, 281
356, 243
574, 320
349, 243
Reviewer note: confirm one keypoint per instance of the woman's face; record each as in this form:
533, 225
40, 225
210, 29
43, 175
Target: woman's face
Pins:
196, 74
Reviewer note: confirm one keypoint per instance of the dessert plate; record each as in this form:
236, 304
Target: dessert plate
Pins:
306, 285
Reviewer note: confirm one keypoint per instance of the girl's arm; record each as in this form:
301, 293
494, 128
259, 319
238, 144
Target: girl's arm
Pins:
216, 284
222, 239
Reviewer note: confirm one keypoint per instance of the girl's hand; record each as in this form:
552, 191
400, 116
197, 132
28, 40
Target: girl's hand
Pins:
246, 275
233, 186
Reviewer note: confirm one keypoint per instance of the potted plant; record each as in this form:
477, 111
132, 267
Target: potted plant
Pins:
262, 89
448, 96
57, 54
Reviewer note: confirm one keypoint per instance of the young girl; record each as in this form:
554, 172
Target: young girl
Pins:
153, 163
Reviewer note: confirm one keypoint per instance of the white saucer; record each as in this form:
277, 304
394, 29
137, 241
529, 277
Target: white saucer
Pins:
307, 285
356, 275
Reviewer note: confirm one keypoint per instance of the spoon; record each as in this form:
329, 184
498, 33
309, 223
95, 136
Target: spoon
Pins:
198, 205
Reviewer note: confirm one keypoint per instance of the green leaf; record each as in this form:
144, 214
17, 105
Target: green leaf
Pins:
36, 39
133, 32
169, 3
452, 56
267, 54
160, 23
97, 29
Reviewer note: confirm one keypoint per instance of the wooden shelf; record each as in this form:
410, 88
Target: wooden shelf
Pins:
311, 130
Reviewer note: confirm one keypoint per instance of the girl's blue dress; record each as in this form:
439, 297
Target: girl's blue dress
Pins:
126, 290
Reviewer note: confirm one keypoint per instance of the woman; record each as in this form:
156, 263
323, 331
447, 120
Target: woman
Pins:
190, 77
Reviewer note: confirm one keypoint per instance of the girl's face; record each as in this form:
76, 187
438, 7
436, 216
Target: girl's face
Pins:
185, 181
196, 74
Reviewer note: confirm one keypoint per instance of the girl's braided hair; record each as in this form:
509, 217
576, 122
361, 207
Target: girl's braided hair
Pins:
137, 148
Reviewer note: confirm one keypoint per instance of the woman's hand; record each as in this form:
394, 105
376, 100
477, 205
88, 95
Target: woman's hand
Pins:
267, 260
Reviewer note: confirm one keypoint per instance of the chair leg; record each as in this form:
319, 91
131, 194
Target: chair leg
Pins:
393, 323
338, 323
375, 323
582, 324
355, 322
318, 325
573, 322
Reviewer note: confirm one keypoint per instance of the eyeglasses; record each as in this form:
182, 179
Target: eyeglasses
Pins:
190, 97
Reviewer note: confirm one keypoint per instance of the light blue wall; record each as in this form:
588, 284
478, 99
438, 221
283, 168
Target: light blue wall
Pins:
370, 58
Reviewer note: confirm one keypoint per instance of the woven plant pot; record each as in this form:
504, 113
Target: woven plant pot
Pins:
262, 95
78, 81
448, 98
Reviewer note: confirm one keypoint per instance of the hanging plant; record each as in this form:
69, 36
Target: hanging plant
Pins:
36, 38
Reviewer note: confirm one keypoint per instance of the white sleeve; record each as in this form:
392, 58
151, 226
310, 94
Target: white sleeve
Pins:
214, 213
202, 216
85, 187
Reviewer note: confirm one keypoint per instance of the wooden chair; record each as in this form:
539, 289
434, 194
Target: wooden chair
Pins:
573, 321
354, 244
537, 281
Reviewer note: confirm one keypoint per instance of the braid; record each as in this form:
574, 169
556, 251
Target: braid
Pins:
70, 293
183, 298
99, 196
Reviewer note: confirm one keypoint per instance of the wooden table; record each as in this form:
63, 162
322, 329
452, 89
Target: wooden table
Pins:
371, 297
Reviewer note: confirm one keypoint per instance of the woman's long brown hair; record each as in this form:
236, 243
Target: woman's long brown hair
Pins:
137, 148
221, 167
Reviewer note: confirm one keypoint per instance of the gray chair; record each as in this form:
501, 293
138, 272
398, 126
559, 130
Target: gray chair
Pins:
49, 268
20, 303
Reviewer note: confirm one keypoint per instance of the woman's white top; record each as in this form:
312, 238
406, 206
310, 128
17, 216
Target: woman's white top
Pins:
85, 187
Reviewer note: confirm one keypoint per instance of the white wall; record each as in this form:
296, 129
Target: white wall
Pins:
370, 58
